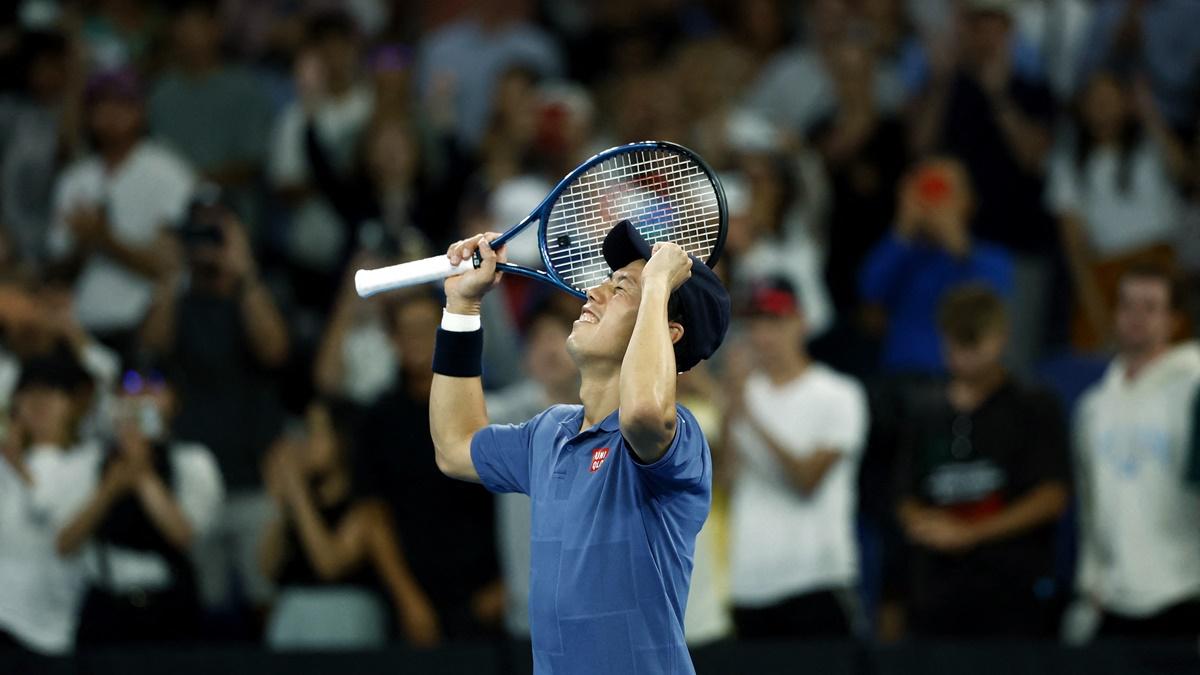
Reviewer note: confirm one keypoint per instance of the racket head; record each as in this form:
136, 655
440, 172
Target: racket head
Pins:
664, 189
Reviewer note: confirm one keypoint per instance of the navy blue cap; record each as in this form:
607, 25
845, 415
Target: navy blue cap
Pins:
702, 300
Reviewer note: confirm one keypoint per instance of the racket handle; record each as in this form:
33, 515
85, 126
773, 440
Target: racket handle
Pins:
370, 282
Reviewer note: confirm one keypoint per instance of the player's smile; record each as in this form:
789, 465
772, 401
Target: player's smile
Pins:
588, 315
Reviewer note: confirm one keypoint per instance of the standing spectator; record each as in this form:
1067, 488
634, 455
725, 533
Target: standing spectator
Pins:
40, 131
798, 429
1157, 39
336, 101
157, 498
552, 379
113, 210
452, 556
929, 251
46, 474
1139, 560
356, 360
214, 114
330, 549
1113, 190
983, 477
225, 335
463, 60
980, 109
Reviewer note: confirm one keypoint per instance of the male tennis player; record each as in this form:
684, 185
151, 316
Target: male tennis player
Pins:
620, 485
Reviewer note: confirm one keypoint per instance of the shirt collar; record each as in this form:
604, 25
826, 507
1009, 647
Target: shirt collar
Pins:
609, 424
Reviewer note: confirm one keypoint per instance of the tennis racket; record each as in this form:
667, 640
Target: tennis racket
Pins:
665, 190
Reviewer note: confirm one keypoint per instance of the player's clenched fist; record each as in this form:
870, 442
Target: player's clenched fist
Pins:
668, 263
464, 292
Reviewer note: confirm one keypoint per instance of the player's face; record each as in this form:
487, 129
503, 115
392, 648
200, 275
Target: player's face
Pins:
606, 322
1145, 319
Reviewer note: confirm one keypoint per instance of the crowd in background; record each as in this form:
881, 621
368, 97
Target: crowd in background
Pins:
959, 399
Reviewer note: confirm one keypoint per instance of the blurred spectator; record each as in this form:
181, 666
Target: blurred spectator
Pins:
983, 477
155, 499
1139, 562
1057, 31
1114, 192
329, 549
1155, 39
864, 154
335, 101
113, 209
462, 61
122, 33
452, 556
214, 114
929, 251
551, 379
777, 214
796, 90
356, 360
797, 429
225, 334
46, 474
40, 131
980, 109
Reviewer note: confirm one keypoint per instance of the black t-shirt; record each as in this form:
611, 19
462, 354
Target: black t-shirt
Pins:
297, 567
1009, 199
446, 526
976, 464
228, 401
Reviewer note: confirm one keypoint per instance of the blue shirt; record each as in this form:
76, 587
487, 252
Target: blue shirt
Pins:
909, 279
612, 538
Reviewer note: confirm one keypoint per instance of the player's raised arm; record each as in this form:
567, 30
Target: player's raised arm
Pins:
456, 406
648, 370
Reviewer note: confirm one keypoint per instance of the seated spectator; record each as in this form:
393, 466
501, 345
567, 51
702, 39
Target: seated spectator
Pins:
981, 109
225, 335
453, 556
1139, 561
46, 475
797, 429
929, 251
1113, 190
113, 210
330, 549
552, 379
213, 113
156, 497
983, 478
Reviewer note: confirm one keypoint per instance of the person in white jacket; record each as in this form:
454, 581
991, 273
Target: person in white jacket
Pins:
1139, 559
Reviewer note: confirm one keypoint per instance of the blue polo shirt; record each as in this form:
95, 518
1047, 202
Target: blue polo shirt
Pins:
612, 538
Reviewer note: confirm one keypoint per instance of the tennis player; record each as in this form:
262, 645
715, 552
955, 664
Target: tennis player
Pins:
621, 484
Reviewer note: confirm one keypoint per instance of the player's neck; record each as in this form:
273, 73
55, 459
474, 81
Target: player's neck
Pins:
600, 392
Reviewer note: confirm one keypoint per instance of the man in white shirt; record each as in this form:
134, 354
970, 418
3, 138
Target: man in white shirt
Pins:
798, 429
1139, 560
113, 210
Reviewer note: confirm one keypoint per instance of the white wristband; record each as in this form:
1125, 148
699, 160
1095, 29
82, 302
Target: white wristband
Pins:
460, 323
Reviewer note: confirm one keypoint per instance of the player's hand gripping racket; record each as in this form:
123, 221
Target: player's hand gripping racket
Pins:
664, 189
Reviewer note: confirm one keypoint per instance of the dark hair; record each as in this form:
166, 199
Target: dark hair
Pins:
1130, 137
330, 23
31, 48
1159, 272
971, 312
178, 8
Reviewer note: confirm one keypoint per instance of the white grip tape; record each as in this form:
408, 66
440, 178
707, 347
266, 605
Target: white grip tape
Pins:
370, 282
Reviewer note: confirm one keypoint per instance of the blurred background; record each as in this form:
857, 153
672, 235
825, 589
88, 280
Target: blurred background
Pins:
954, 423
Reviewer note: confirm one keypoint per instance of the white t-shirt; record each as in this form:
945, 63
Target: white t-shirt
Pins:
1116, 221
149, 190
41, 592
199, 491
783, 543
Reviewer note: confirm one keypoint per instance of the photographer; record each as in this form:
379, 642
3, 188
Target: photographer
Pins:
224, 334
929, 251
156, 498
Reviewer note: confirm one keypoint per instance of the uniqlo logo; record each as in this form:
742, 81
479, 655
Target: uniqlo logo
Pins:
598, 457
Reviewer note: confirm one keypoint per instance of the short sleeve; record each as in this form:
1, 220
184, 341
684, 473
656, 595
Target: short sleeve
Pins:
1062, 187
686, 463
198, 486
846, 422
502, 454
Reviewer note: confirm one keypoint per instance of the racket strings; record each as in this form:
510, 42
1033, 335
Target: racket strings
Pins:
666, 195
